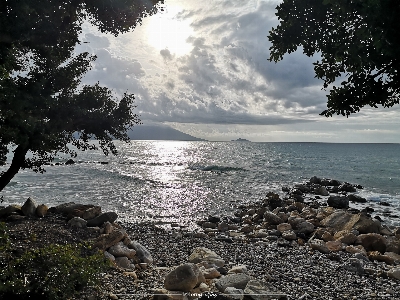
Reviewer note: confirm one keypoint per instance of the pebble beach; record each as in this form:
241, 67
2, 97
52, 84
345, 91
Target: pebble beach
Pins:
309, 244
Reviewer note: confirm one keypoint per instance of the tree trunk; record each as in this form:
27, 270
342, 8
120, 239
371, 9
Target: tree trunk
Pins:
16, 164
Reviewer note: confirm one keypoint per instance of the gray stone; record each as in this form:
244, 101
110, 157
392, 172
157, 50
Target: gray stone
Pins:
210, 273
10, 209
184, 278
346, 187
338, 202
238, 269
124, 262
141, 252
120, 250
238, 281
289, 235
354, 265
203, 254
272, 218
77, 222
394, 273
319, 245
104, 217
372, 242
284, 227
259, 290
109, 256
321, 191
29, 207
305, 227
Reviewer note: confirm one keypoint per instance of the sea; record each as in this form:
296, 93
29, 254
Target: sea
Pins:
179, 182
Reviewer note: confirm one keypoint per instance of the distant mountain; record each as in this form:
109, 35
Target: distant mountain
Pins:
240, 140
159, 132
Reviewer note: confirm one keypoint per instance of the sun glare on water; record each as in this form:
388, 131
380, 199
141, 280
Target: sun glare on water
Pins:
166, 31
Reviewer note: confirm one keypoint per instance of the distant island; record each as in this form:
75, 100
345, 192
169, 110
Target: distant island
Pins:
159, 132
241, 140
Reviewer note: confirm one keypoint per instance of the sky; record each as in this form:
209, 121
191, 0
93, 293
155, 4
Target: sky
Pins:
202, 67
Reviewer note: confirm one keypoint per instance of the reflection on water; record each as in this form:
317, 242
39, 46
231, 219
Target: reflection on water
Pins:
168, 181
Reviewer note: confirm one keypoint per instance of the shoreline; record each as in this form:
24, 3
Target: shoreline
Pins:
289, 264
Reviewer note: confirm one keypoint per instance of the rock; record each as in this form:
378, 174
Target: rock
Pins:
238, 269
372, 242
305, 227
338, 202
356, 198
346, 187
319, 245
108, 228
109, 256
393, 244
342, 220
356, 249
324, 212
354, 265
209, 225
107, 240
203, 254
261, 233
141, 252
214, 219
334, 246
259, 290
119, 250
124, 262
315, 180
77, 222
394, 273
289, 235
223, 226
334, 182
91, 213
394, 256
238, 281
111, 296
41, 210
247, 229
29, 207
272, 218
13, 208
70, 162
321, 190
102, 218
211, 273
327, 236
345, 236
184, 278
234, 293
376, 255
284, 227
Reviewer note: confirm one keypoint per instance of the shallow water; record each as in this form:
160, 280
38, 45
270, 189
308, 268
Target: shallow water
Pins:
173, 181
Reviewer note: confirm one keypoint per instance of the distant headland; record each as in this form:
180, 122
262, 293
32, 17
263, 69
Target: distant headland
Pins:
240, 140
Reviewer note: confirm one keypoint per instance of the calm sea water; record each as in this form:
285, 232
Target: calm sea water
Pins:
172, 181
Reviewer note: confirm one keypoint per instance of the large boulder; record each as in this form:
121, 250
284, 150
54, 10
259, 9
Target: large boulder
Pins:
41, 210
77, 222
105, 241
29, 207
203, 254
238, 281
100, 219
184, 278
91, 212
356, 198
338, 202
272, 218
372, 242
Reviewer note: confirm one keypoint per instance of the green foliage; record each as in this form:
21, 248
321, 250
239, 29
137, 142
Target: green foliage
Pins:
4, 238
52, 272
43, 105
358, 41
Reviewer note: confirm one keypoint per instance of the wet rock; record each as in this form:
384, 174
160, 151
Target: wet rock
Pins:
372, 242
259, 290
29, 207
184, 278
356, 198
77, 222
321, 190
70, 162
100, 219
338, 202
315, 180
203, 254
238, 281
346, 187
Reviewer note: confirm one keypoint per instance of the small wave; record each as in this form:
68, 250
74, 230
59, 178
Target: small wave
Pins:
215, 168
